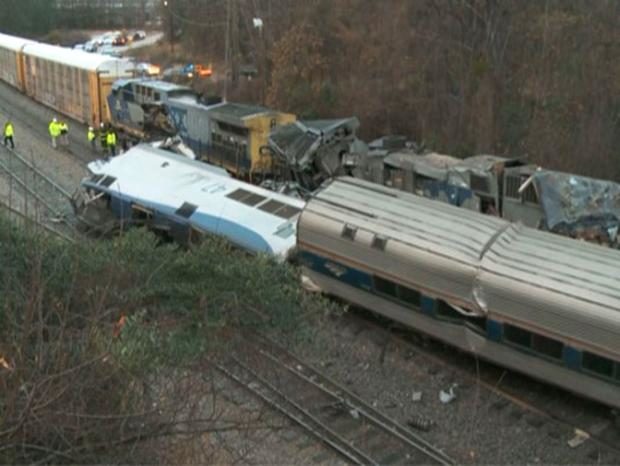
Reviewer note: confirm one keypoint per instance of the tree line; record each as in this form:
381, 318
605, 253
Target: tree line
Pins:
534, 78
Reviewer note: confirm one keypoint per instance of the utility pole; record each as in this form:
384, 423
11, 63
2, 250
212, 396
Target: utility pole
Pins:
227, 50
168, 5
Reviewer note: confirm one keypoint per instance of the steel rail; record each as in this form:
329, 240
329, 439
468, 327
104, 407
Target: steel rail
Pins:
319, 380
40, 224
371, 414
333, 440
11, 172
408, 443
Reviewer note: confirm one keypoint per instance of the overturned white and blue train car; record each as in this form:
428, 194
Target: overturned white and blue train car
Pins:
186, 199
528, 300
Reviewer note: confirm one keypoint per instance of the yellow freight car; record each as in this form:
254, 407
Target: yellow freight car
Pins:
11, 60
73, 82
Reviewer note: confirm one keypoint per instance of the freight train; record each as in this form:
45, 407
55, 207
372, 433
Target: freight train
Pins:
534, 302
72, 82
230, 135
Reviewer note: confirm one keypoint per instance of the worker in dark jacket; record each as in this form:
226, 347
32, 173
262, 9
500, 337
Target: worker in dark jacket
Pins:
103, 137
8, 134
92, 137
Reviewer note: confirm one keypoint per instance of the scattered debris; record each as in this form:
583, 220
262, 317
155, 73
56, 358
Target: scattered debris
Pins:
355, 414
421, 423
448, 396
416, 396
579, 438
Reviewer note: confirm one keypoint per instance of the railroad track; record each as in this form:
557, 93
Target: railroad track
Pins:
338, 418
585, 417
34, 195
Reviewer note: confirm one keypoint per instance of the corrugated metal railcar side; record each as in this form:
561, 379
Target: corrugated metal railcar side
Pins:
73, 82
566, 288
11, 60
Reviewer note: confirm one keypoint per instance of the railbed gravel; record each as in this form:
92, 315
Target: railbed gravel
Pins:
478, 426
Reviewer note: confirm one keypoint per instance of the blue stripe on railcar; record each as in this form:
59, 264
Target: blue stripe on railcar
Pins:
572, 358
343, 273
236, 233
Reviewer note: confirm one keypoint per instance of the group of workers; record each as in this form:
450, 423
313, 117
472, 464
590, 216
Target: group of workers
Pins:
59, 131
107, 139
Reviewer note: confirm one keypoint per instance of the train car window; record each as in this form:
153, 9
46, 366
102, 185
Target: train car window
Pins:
447, 312
287, 211
348, 232
107, 181
385, 287
598, 364
246, 197
547, 346
379, 242
529, 195
252, 199
237, 194
512, 187
409, 296
157, 96
96, 178
186, 210
517, 335
479, 183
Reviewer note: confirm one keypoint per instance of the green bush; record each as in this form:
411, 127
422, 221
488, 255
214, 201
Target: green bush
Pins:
85, 325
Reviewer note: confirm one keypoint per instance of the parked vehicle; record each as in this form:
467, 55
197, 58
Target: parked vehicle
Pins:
139, 35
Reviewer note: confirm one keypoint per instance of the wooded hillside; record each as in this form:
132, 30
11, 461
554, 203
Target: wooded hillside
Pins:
466, 76
534, 77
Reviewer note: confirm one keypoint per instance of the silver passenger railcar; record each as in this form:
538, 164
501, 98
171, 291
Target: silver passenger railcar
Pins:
531, 301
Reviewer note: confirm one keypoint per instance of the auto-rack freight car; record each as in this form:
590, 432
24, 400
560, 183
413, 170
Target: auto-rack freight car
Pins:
534, 302
73, 82
11, 60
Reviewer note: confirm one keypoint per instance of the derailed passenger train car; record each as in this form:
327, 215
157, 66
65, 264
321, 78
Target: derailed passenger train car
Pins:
185, 199
528, 300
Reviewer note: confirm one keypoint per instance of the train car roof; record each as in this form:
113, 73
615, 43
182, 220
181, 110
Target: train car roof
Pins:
158, 84
254, 218
14, 43
411, 219
108, 66
563, 285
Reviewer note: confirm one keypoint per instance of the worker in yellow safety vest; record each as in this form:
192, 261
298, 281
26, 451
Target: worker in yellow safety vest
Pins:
54, 129
111, 141
8, 134
92, 137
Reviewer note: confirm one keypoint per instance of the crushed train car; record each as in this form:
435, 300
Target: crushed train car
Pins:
312, 151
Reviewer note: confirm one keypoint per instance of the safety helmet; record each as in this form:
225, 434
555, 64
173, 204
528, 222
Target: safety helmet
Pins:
54, 120
90, 128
